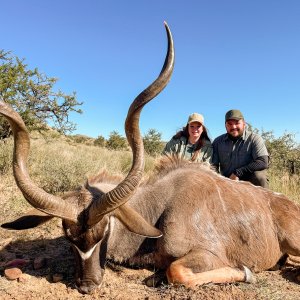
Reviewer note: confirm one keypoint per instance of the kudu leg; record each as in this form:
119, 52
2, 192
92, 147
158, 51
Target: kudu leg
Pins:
182, 272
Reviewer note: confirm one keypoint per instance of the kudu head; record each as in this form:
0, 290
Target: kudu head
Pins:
86, 213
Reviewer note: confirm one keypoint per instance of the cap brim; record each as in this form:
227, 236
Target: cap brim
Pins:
195, 121
234, 118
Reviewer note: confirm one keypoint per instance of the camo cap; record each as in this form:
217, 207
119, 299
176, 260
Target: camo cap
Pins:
195, 117
233, 114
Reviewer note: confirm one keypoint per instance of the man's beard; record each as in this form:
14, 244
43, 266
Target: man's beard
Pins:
235, 137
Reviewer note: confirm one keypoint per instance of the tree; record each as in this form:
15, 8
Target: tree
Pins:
116, 141
31, 94
284, 152
152, 142
100, 141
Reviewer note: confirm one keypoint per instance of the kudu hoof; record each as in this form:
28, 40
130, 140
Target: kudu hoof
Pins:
156, 279
249, 277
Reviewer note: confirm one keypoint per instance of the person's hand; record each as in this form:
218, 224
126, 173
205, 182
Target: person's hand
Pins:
233, 177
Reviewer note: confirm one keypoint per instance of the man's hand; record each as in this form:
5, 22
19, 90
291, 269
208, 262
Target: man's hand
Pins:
233, 177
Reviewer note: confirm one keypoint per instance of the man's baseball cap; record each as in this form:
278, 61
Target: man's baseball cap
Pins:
195, 117
233, 114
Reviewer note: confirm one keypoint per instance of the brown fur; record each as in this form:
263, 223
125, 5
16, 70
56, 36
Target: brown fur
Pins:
223, 219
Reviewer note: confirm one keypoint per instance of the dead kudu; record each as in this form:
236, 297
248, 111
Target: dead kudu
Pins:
209, 228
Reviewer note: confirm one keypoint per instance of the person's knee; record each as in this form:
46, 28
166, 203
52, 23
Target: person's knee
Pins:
260, 178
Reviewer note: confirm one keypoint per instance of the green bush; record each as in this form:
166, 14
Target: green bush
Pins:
81, 139
116, 141
284, 153
100, 141
152, 142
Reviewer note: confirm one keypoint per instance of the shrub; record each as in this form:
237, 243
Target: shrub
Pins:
116, 141
100, 141
152, 142
81, 139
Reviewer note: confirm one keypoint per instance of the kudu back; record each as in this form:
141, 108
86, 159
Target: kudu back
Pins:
208, 228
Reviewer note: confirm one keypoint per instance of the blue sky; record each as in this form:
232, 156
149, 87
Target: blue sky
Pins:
229, 54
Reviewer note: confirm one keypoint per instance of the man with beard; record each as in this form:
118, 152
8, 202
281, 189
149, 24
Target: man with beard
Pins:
240, 154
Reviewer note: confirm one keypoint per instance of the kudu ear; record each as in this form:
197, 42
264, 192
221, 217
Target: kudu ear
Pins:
135, 223
31, 219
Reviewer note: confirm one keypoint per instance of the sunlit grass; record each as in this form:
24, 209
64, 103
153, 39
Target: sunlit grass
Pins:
286, 184
58, 165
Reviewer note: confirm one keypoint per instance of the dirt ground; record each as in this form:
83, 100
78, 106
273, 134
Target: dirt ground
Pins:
53, 279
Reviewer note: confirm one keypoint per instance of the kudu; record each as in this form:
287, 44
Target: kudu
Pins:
209, 228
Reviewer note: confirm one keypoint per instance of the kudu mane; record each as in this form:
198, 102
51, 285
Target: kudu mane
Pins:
163, 165
169, 163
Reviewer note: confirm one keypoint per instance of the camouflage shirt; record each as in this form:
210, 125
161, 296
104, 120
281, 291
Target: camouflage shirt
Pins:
184, 149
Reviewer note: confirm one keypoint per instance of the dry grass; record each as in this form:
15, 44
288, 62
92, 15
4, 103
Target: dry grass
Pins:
285, 183
57, 165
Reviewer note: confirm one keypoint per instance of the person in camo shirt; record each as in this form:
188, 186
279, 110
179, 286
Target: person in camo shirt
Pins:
192, 142
240, 154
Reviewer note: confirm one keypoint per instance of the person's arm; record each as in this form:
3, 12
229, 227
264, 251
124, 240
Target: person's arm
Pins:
169, 148
208, 155
260, 163
260, 158
215, 161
